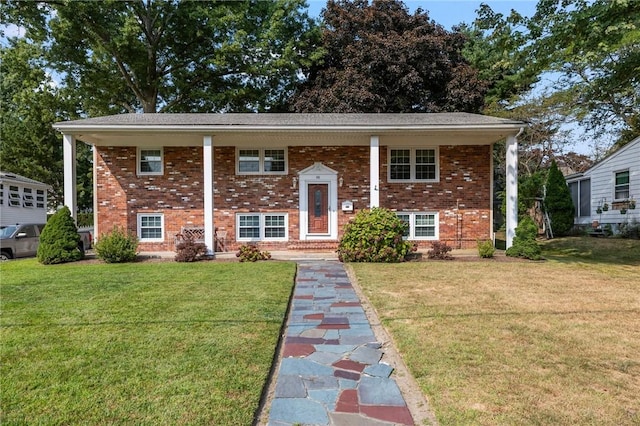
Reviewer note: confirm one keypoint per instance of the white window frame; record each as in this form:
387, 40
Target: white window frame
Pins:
41, 200
139, 230
412, 226
615, 186
139, 161
261, 160
262, 227
27, 198
15, 200
412, 163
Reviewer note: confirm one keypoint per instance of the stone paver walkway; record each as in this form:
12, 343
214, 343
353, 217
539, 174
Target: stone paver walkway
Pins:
330, 372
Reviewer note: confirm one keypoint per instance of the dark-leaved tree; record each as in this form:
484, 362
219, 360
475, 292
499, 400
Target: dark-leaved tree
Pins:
558, 202
380, 58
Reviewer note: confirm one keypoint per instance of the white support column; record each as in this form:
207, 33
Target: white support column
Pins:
70, 193
209, 227
512, 187
374, 172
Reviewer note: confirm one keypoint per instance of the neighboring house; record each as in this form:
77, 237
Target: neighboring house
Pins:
292, 181
608, 188
22, 200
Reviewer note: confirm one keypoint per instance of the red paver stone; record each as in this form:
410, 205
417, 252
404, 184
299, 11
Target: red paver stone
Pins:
346, 364
298, 349
304, 297
334, 326
397, 415
348, 402
314, 317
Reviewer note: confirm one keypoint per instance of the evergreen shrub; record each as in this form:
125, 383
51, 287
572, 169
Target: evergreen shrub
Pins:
374, 236
117, 246
486, 249
524, 242
59, 241
558, 202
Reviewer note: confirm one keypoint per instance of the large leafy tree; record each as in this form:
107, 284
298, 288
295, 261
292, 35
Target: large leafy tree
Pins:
594, 47
380, 58
31, 103
178, 56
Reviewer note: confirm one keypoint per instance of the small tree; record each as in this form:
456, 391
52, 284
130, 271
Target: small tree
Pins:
558, 202
374, 236
59, 241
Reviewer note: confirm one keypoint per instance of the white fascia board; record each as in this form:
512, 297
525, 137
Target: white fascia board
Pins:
75, 128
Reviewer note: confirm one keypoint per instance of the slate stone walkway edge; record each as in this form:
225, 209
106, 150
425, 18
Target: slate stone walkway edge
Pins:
331, 369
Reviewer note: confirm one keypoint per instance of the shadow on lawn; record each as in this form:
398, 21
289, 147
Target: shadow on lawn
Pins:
612, 251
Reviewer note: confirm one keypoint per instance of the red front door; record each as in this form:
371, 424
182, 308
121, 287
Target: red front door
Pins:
318, 208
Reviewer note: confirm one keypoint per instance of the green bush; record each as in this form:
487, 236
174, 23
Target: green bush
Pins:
251, 253
374, 236
59, 241
118, 246
630, 230
524, 242
486, 249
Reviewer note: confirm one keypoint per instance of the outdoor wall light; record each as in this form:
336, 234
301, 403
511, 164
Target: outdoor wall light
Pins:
294, 183
340, 182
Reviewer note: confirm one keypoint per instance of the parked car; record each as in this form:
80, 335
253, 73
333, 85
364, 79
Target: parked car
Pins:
22, 240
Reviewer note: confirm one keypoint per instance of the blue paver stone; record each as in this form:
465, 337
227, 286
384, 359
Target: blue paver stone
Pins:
366, 355
379, 391
379, 370
304, 367
290, 387
298, 410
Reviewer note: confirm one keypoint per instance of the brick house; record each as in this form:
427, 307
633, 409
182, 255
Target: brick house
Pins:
292, 181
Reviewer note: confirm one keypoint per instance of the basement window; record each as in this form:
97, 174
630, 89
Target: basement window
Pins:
262, 226
151, 227
422, 225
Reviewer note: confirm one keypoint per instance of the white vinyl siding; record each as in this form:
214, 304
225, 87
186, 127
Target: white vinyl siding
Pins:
608, 182
262, 226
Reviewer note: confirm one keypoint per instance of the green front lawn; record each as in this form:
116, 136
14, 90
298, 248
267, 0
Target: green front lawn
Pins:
142, 343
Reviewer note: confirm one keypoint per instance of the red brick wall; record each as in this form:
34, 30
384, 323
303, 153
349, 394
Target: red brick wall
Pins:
461, 197
122, 194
